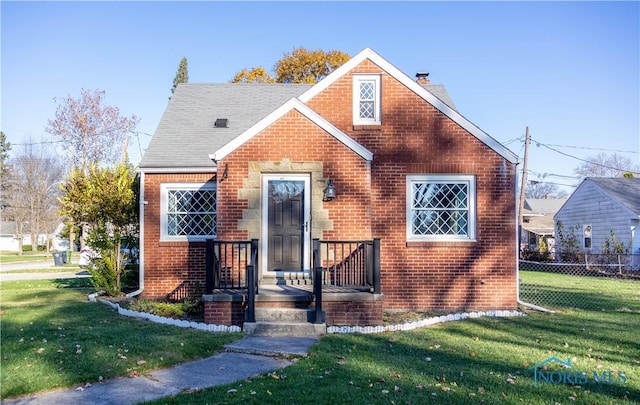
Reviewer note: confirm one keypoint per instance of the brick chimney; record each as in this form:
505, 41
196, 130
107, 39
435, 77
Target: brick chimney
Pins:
421, 78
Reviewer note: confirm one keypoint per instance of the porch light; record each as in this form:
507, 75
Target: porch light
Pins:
329, 192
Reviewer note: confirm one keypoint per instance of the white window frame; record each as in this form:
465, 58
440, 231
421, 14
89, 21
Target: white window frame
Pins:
587, 235
468, 180
164, 192
376, 120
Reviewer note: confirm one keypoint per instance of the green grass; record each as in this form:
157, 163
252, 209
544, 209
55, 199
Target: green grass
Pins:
53, 337
553, 290
11, 257
475, 361
479, 361
66, 268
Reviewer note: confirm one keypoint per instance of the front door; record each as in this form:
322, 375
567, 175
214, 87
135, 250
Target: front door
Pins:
286, 223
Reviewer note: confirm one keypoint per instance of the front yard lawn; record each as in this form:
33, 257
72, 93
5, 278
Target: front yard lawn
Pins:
476, 361
52, 337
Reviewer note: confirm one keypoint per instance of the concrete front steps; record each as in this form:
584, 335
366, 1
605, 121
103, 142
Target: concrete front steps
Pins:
284, 322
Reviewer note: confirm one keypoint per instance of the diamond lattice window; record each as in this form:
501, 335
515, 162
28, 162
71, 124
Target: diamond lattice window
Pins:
191, 212
366, 100
441, 209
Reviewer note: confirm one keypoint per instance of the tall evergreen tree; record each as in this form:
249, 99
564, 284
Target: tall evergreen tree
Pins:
5, 147
182, 75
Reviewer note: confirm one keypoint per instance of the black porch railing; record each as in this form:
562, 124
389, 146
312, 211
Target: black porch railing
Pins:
226, 264
353, 264
233, 265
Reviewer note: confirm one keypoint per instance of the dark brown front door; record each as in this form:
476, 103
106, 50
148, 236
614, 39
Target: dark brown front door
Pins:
286, 225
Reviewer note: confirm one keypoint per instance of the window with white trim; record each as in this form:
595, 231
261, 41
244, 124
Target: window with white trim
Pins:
366, 100
188, 211
441, 207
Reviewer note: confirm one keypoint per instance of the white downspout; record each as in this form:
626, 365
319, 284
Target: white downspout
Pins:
141, 241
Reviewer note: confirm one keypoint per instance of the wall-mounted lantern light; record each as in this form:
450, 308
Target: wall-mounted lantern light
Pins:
329, 192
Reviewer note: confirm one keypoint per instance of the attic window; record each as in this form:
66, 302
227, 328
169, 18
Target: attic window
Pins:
366, 99
221, 123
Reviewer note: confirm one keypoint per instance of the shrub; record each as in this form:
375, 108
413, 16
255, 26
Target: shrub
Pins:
165, 309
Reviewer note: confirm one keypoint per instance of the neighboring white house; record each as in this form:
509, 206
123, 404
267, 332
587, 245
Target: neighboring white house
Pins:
9, 241
600, 206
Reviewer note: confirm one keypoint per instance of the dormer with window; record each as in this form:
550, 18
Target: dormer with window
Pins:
366, 100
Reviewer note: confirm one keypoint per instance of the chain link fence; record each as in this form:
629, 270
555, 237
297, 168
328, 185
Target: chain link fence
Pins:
582, 281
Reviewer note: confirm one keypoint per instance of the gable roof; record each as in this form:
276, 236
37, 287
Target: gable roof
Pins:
186, 139
396, 73
293, 104
186, 134
625, 190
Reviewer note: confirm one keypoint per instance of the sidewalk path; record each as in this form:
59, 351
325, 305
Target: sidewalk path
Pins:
223, 368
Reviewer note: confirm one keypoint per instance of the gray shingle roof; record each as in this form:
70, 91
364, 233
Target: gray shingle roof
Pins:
623, 189
186, 135
544, 205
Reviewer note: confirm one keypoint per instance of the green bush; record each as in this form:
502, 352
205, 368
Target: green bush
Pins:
165, 309
104, 275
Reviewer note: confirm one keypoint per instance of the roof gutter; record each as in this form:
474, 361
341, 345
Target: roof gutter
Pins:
199, 169
141, 241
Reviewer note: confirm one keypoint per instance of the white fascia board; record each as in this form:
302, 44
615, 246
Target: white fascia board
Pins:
293, 104
396, 73
181, 169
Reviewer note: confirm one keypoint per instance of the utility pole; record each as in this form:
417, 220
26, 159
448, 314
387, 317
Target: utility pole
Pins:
527, 141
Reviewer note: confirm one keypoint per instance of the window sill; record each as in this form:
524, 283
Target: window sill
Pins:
184, 240
370, 127
432, 243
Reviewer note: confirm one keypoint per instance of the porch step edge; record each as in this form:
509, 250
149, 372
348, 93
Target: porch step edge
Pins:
285, 315
299, 329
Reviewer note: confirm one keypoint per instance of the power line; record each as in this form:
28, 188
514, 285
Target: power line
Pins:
590, 148
584, 160
35, 143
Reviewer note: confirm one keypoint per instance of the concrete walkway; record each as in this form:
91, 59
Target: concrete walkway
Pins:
244, 358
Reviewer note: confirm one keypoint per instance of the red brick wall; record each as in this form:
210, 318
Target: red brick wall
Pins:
224, 312
168, 264
295, 138
363, 313
414, 138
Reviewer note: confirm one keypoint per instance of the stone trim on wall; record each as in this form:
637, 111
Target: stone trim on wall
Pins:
251, 191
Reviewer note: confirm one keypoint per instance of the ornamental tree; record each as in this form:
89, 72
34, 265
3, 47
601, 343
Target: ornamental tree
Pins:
91, 132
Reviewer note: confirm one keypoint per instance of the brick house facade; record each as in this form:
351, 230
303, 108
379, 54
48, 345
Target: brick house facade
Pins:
406, 166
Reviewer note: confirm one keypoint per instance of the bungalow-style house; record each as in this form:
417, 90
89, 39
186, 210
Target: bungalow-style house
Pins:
600, 209
367, 191
538, 225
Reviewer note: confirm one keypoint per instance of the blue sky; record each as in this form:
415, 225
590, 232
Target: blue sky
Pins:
570, 71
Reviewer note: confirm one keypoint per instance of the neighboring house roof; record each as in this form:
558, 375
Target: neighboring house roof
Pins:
625, 190
540, 225
544, 205
186, 138
540, 212
8, 227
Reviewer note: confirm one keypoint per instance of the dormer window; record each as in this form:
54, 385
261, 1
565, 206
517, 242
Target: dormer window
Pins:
366, 100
